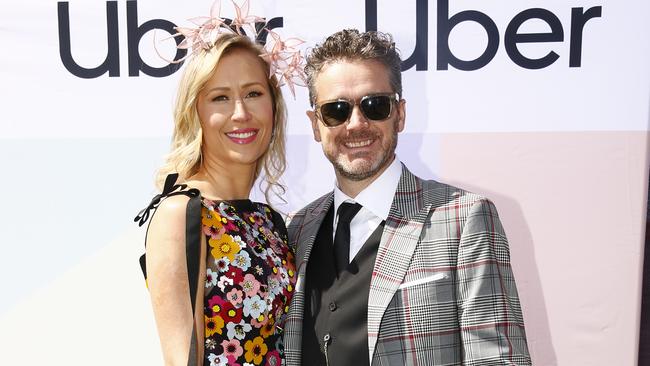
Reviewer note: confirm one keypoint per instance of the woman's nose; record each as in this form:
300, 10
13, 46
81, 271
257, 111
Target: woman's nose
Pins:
241, 112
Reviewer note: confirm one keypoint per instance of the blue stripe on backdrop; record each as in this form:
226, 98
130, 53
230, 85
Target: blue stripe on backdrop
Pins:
66, 198
71, 197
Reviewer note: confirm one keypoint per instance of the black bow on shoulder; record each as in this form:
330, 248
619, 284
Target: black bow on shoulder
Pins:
170, 189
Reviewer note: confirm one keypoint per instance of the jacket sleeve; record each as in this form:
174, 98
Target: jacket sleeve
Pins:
490, 318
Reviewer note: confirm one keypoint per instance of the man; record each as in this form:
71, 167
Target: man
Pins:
419, 272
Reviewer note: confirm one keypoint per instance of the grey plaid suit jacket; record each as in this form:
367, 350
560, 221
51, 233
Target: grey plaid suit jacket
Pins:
442, 291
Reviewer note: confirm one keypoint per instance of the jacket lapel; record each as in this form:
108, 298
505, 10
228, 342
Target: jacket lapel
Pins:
309, 229
398, 241
304, 236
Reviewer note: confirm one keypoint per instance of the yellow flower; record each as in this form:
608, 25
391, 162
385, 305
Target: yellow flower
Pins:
211, 218
225, 246
213, 325
268, 329
255, 350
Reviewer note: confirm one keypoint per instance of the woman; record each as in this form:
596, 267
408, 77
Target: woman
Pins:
229, 126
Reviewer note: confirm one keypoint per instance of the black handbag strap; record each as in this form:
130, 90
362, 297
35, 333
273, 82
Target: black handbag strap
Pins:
192, 243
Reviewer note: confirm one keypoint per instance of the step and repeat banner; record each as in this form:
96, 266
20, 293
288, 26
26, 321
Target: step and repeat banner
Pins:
542, 106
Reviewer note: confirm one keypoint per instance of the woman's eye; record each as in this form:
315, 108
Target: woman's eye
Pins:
254, 94
220, 98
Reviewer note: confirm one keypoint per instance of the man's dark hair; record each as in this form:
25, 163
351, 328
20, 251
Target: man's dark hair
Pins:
352, 45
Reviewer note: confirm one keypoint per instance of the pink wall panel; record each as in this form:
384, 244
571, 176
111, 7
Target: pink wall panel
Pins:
573, 206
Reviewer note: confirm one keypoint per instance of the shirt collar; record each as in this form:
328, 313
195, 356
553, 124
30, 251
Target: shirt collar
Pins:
378, 196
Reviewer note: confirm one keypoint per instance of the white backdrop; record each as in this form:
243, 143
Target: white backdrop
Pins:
563, 152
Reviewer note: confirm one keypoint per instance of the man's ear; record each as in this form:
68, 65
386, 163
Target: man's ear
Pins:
314, 124
401, 115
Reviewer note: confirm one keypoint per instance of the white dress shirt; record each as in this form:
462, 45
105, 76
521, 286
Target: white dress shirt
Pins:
375, 200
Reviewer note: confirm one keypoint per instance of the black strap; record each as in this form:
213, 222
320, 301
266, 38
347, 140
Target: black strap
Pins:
193, 254
169, 189
192, 243
172, 189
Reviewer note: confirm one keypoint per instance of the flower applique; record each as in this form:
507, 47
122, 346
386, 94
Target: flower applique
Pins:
250, 275
232, 348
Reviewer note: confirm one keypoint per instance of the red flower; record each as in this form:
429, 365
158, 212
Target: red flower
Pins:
230, 313
215, 305
235, 274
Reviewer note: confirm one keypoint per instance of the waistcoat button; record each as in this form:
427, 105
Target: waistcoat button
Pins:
332, 306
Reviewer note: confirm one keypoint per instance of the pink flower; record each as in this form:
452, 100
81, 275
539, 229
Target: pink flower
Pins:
231, 361
259, 324
204, 35
232, 348
273, 358
250, 285
293, 74
243, 18
280, 50
230, 226
213, 232
208, 27
284, 58
235, 296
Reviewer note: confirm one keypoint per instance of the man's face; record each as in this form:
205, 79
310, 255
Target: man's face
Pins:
360, 148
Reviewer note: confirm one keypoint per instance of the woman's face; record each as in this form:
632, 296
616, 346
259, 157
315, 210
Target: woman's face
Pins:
235, 108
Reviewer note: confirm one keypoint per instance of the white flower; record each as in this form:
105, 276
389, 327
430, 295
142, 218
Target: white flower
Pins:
210, 343
223, 264
274, 257
269, 301
238, 330
237, 239
220, 360
223, 282
254, 306
222, 211
274, 285
211, 278
242, 260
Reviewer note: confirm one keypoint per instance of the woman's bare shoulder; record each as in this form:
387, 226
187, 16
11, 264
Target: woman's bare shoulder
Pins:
168, 223
173, 207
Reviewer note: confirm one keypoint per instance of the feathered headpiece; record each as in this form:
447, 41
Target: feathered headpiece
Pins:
282, 55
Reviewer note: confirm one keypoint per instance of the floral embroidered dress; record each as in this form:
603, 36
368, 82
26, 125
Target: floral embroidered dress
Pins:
249, 283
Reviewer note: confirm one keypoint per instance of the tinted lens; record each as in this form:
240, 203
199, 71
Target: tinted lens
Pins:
335, 113
376, 108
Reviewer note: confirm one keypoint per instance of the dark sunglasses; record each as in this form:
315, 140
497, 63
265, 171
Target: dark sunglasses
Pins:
375, 107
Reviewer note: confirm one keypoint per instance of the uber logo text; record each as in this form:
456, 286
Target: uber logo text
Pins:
512, 37
135, 33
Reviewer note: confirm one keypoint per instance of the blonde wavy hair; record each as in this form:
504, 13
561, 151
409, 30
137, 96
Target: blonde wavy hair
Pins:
185, 157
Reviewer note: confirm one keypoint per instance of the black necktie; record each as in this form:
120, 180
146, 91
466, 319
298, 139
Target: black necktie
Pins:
345, 212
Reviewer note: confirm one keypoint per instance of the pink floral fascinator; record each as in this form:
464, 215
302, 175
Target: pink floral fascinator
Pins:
284, 58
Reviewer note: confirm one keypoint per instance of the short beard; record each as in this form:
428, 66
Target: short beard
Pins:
366, 172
